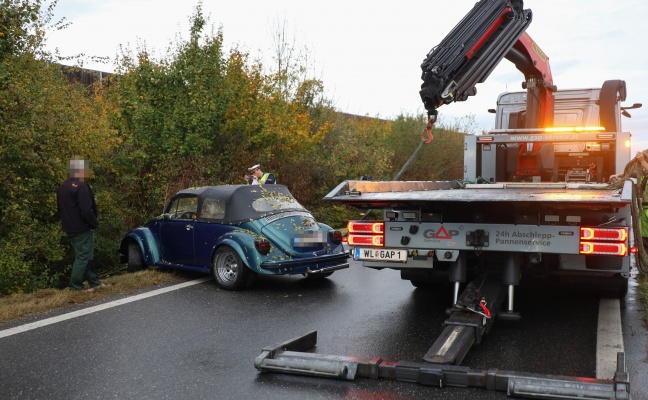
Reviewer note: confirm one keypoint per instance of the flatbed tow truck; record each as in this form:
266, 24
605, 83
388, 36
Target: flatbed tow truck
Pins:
535, 201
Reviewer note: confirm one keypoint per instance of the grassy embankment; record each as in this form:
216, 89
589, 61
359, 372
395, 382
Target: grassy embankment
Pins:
20, 305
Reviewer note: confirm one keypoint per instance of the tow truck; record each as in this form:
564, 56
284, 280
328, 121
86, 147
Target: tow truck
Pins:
534, 201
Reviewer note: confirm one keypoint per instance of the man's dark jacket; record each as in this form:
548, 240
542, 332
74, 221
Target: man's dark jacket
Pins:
77, 206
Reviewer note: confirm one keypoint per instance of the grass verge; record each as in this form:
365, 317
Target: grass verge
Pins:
20, 305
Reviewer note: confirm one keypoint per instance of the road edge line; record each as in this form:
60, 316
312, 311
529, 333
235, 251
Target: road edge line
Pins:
609, 338
64, 317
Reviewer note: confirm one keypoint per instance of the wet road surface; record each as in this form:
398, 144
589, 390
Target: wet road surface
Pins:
200, 342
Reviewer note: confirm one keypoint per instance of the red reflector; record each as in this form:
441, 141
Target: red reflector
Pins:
613, 249
366, 227
365, 240
611, 234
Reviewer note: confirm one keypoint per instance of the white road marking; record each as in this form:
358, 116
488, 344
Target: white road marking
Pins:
100, 307
609, 338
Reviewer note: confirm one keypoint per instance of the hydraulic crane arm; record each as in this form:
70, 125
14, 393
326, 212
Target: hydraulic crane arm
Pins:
491, 31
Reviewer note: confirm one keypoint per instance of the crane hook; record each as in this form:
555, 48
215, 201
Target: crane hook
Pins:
428, 129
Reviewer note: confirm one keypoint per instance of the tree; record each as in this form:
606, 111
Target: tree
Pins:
44, 121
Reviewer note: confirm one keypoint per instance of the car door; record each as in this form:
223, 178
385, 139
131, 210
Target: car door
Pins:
177, 231
208, 229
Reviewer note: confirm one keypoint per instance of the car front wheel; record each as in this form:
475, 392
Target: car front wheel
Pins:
229, 271
135, 259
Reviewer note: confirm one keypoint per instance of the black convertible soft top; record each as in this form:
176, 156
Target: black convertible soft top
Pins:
246, 202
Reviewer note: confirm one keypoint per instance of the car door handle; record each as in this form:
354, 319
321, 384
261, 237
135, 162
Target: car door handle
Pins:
188, 227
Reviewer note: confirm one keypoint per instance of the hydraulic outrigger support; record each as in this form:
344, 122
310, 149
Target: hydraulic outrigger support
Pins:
464, 327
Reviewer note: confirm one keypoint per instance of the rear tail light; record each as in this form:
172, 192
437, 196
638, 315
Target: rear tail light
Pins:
366, 233
604, 234
604, 241
371, 227
366, 240
262, 246
336, 236
612, 249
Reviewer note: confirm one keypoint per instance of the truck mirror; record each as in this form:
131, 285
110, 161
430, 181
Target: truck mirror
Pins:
635, 105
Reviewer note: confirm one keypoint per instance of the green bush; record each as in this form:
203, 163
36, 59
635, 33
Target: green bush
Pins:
15, 274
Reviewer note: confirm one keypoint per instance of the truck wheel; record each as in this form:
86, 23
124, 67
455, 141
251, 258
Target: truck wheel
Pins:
229, 271
135, 258
424, 285
620, 287
623, 290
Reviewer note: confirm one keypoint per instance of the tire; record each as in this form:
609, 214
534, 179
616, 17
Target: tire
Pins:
618, 287
135, 258
424, 285
319, 276
229, 271
622, 291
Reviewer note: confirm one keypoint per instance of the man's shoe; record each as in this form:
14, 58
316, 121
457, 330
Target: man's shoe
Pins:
102, 285
90, 290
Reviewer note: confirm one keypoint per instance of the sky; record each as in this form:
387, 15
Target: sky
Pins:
368, 53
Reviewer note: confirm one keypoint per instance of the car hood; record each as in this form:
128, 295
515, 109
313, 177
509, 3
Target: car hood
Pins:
297, 234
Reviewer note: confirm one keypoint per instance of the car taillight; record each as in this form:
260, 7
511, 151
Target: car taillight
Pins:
604, 241
262, 246
366, 233
336, 236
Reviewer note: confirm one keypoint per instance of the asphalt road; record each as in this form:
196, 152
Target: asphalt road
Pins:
200, 342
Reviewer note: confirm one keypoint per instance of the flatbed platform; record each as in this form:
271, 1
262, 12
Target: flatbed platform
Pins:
386, 192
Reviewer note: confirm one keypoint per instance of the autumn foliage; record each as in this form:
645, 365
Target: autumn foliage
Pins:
198, 116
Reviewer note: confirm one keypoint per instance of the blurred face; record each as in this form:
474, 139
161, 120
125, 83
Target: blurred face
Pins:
79, 169
257, 172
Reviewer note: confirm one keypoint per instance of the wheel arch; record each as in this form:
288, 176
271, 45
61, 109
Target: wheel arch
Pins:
145, 240
250, 261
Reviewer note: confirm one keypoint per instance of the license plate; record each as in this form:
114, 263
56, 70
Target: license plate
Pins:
309, 239
371, 254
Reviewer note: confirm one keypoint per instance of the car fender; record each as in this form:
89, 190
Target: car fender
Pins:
240, 242
326, 229
147, 243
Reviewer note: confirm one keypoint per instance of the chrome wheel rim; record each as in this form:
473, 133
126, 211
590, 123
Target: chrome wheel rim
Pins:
227, 267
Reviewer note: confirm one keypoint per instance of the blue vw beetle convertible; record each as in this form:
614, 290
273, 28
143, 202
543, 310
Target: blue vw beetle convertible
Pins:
236, 232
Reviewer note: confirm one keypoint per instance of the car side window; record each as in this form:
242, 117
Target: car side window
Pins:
213, 209
184, 208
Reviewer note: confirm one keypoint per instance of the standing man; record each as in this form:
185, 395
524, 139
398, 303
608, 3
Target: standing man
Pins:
257, 176
78, 210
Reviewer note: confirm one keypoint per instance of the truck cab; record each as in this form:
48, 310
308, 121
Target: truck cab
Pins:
579, 147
